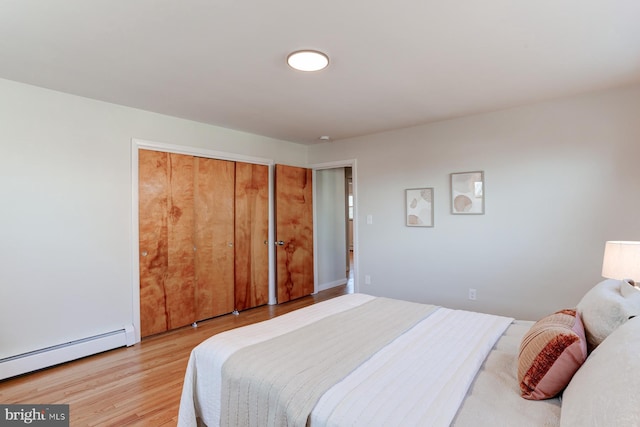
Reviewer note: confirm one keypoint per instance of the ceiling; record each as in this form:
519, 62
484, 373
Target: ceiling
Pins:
394, 64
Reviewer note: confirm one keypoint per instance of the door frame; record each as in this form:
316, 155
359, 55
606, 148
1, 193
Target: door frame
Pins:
141, 144
352, 163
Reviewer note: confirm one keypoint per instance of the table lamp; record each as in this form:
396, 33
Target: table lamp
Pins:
622, 262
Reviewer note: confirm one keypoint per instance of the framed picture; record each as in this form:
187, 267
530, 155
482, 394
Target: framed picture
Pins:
419, 207
467, 193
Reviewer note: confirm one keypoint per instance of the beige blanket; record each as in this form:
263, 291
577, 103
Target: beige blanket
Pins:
278, 382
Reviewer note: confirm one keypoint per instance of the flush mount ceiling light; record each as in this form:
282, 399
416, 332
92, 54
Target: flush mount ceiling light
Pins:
308, 60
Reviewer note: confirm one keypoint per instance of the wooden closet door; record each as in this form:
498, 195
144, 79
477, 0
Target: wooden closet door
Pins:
252, 235
214, 236
294, 232
154, 255
166, 220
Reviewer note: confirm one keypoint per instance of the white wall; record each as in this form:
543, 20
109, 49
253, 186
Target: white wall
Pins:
330, 227
561, 178
65, 216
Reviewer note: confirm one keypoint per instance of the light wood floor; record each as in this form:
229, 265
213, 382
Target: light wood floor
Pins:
138, 385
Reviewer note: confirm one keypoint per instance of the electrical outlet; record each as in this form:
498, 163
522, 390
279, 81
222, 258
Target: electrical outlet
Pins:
472, 294
367, 279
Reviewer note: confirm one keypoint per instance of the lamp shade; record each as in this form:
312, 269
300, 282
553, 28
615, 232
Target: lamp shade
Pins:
621, 261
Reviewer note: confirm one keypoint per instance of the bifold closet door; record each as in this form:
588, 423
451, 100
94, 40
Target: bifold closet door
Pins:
251, 235
214, 237
294, 232
166, 222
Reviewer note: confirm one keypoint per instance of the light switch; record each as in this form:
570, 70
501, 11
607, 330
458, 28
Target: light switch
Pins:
369, 219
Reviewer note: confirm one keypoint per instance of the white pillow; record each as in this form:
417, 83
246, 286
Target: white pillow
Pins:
604, 390
605, 307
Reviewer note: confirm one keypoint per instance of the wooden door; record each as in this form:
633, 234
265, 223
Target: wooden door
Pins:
166, 220
252, 235
294, 232
214, 237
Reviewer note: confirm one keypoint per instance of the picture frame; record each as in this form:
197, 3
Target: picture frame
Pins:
467, 193
419, 207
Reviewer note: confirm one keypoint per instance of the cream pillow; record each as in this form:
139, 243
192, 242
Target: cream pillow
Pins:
604, 390
605, 307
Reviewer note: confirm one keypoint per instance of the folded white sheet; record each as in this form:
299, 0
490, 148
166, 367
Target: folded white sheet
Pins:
420, 379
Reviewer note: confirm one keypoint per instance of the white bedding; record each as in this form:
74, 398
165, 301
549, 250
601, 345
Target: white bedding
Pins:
494, 397
419, 379
202, 383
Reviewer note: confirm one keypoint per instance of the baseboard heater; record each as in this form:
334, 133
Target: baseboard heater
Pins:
50, 356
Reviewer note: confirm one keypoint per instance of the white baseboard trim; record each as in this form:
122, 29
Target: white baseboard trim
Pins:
46, 357
329, 285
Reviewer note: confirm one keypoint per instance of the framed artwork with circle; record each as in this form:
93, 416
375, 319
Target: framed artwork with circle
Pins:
419, 207
467, 193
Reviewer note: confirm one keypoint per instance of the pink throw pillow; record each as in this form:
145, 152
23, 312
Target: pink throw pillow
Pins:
550, 353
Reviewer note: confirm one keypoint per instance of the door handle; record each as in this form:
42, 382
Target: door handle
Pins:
279, 243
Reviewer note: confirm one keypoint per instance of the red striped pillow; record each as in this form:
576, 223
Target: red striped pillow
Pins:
550, 353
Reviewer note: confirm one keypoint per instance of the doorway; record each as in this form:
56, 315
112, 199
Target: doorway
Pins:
335, 226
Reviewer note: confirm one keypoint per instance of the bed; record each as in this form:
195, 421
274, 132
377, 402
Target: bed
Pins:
360, 360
